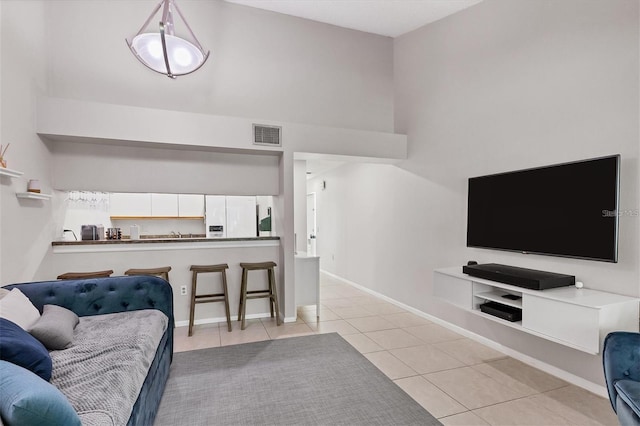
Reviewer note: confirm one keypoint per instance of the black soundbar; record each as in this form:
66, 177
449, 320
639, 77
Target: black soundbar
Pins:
521, 277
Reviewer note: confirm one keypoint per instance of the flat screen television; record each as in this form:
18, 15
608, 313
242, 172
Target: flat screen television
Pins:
568, 210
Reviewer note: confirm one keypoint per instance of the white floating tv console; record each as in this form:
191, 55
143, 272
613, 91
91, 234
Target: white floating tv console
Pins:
578, 318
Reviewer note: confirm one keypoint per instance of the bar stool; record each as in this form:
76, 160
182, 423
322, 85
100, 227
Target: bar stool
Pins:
82, 275
159, 272
271, 292
207, 298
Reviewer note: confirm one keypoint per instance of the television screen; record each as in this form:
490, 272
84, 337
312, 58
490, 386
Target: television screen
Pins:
568, 210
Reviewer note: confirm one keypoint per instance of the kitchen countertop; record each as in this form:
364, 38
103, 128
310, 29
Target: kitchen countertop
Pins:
159, 240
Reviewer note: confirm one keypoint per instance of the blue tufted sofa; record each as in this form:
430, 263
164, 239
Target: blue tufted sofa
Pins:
98, 296
621, 359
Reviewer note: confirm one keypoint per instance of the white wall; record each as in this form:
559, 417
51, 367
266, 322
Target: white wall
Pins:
111, 168
262, 65
25, 225
501, 86
1, 140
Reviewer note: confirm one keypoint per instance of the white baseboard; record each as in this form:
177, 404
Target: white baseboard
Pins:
185, 323
547, 368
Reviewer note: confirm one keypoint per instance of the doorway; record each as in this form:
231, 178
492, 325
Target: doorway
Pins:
311, 224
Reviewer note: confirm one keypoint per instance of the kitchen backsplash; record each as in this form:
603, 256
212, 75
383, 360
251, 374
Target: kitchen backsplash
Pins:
161, 227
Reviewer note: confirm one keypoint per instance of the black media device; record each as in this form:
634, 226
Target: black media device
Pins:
521, 277
502, 311
568, 210
512, 297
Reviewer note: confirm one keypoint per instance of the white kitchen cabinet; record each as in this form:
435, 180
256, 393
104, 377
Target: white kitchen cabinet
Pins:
130, 204
578, 318
164, 205
190, 205
149, 205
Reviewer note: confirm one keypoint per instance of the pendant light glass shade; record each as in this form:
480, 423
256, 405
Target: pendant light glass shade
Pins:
163, 51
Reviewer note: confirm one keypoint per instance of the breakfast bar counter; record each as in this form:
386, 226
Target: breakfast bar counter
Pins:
161, 243
180, 254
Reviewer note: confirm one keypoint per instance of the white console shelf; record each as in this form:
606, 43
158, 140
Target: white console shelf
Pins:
578, 318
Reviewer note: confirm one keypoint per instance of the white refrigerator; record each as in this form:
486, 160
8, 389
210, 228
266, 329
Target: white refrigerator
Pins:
242, 219
231, 216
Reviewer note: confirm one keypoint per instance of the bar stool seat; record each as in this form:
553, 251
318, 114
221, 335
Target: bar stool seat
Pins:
270, 292
208, 298
162, 272
82, 275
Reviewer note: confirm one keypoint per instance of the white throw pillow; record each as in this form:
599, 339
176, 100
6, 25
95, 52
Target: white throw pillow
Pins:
3, 292
17, 308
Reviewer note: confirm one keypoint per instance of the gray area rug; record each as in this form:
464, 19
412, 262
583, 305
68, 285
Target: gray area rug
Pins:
310, 380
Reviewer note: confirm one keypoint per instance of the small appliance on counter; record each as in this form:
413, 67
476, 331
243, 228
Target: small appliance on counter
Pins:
69, 235
92, 232
114, 234
134, 232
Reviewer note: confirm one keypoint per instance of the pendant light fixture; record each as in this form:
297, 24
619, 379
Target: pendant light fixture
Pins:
163, 51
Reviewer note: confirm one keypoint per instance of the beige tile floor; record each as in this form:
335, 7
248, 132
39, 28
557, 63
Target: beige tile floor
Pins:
459, 381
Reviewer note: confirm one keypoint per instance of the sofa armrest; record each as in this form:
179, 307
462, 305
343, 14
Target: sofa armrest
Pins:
96, 296
621, 360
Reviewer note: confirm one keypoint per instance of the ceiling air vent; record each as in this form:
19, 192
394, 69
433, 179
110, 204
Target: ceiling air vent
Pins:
267, 135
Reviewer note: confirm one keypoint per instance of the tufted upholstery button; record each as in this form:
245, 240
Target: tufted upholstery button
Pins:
96, 306
51, 294
626, 373
125, 304
112, 289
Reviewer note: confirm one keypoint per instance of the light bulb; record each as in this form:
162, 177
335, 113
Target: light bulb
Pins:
155, 48
182, 56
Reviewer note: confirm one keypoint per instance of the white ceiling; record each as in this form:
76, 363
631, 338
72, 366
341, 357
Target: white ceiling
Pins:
385, 17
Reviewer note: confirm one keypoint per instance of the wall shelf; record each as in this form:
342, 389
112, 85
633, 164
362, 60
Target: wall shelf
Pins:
33, 195
10, 173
